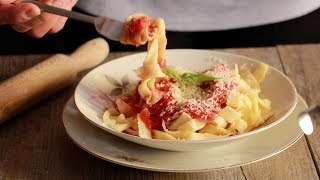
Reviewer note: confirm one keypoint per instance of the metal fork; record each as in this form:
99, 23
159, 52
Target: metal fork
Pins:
109, 28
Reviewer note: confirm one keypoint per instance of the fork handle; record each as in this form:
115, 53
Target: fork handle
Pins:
63, 12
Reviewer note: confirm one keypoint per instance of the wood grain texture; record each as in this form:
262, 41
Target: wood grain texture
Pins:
301, 63
293, 162
34, 145
47, 77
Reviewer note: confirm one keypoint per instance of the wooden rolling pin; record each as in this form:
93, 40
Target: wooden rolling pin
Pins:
47, 77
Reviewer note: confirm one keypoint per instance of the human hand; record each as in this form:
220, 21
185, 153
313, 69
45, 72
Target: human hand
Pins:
28, 18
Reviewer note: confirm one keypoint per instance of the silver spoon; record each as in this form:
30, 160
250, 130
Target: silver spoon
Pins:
305, 121
109, 28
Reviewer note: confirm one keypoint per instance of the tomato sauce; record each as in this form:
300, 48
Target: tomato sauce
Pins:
145, 117
163, 110
167, 107
162, 63
216, 100
135, 102
136, 27
139, 24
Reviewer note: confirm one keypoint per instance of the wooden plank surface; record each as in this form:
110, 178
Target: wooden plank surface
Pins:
302, 65
34, 145
292, 163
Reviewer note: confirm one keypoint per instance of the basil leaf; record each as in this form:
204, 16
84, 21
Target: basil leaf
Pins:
172, 72
186, 78
194, 78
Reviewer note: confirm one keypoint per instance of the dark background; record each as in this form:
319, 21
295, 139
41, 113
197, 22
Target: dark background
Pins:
305, 29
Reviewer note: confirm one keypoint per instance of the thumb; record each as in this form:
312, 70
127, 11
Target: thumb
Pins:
18, 13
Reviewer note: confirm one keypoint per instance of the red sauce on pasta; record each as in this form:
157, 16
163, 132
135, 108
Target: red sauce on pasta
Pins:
162, 63
139, 24
137, 30
154, 114
145, 117
135, 102
167, 108
208, 108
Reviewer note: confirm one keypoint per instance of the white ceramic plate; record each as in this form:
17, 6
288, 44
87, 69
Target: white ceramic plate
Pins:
95, 92
111, 148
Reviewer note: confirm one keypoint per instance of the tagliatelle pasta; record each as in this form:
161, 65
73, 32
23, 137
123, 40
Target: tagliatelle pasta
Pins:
172, 103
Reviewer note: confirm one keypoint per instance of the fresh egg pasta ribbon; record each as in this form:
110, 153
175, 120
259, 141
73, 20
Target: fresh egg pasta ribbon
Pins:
172, 103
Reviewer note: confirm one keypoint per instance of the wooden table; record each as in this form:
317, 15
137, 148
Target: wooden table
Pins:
34, 145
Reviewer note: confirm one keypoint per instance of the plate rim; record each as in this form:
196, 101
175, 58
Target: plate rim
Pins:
141, 167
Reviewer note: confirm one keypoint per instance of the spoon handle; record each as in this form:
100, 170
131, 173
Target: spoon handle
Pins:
314, 109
